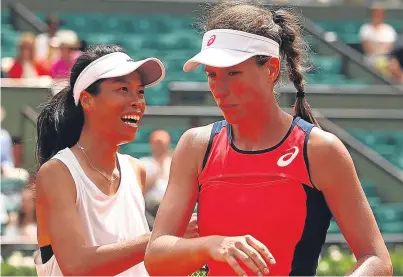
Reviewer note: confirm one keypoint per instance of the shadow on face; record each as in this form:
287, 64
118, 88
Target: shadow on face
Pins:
243, 90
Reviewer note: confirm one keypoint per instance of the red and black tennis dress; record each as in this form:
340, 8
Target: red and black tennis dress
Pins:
267, 194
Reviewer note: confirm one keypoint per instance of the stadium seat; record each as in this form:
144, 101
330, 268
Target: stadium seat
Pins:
387, 144
327, 64
135, 149
11, 185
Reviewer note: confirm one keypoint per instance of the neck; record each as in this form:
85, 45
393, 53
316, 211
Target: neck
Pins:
100, 152
263, 131
161, 157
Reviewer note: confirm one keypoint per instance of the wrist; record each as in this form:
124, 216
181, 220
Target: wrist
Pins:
208, 244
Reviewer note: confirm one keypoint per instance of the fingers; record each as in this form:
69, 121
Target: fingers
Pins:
247, 260
254, 256
261, 248
235, 265
192, 230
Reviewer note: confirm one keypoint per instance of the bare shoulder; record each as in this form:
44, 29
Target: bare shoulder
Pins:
328, 157
197, 136
323, 144
192, 146
53, 180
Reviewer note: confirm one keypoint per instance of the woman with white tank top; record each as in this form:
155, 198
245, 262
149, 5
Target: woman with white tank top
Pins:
90, 205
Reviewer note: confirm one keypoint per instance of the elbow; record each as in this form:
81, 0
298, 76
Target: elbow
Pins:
150, 262
153, 263
384, 265
388, 266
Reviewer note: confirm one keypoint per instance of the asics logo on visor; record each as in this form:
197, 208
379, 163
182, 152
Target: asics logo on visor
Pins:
286, 159
211, 40
130, 60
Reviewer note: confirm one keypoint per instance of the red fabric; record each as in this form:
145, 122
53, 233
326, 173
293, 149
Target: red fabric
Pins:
16, 70
244, 193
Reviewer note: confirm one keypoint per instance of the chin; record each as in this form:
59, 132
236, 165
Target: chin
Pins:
232, 118
127, 137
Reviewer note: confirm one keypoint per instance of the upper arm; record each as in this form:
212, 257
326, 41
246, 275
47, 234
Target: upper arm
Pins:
58, 217
333, 172
180, 198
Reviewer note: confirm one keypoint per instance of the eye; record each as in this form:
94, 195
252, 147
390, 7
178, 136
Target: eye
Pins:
141, 91
233, 73
124, 89
210, 74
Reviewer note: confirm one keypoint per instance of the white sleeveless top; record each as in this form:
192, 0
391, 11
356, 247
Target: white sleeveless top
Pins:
106, 219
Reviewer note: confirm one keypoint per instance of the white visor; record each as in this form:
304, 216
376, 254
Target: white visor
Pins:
225, 48
115, 65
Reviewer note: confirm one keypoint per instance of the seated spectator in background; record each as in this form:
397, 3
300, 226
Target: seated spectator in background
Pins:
377, 38
6, 145
22, 224
396, 61
69, 45
8, 169
157, 167
25, 65
46, 45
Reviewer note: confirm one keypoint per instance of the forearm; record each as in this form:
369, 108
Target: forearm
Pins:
169, 255
111, 259
372, 266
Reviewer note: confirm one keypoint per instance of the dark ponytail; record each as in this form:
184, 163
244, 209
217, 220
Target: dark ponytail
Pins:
60, 122
292, 48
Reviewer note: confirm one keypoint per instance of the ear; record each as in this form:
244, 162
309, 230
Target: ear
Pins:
87, 100
273, 68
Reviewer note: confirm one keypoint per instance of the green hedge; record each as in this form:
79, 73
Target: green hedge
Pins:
333, 262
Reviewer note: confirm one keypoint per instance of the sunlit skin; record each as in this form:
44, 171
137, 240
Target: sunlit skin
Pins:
117, 97
244, 93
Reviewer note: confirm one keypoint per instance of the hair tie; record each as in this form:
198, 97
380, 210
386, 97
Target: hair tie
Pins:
275, 18
300, 94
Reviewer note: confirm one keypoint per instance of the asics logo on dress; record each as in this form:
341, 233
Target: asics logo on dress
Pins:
286, 159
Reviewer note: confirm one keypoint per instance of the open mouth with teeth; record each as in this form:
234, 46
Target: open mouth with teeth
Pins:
131, 119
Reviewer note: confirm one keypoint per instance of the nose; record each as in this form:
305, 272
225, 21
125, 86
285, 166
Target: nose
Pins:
221, 89
136, 101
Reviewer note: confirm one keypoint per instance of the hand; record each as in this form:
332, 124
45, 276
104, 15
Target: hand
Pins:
192, 231
247, 249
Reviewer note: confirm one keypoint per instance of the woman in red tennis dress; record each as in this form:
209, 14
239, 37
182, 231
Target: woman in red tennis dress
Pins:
267, 183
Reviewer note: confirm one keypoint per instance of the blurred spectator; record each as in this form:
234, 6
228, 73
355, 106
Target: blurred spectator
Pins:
23, 223
157, 167
25, 65
46, 44
69, 45
3, 212
6, 145
8, 169
396, 61
377, 38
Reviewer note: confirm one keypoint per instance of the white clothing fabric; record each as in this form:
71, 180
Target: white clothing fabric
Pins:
106, 219
381, 36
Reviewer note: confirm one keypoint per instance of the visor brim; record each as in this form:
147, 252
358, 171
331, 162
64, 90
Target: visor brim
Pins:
152, 71
217, 57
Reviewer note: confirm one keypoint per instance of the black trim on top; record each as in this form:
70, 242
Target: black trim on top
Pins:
231, 141
307, 128
46, 253
317, 221
217, 126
